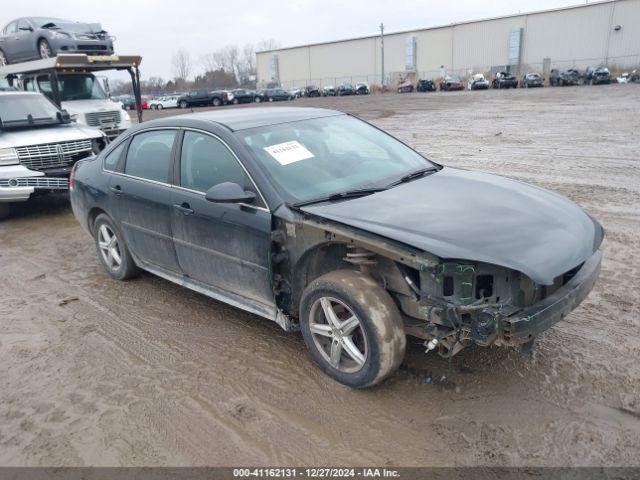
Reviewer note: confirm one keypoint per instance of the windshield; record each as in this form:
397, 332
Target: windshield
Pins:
315, 158
452, 78
74, 87
16, 109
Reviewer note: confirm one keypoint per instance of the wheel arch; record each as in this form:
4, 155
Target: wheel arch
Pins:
92, 215
314, 262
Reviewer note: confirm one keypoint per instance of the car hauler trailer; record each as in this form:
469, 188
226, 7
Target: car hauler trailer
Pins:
69, 82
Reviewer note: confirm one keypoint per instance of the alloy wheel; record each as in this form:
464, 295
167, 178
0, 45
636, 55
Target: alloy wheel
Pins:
109, 247
45, 50
3, 59
338, 334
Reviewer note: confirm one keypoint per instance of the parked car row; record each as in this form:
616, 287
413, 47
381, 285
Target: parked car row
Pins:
504, 79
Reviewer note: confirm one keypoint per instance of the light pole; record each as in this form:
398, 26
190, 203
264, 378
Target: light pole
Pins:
382, 52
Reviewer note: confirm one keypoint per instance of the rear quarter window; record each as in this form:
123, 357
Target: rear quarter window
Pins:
111, 160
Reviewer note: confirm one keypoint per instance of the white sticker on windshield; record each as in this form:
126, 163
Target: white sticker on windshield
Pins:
288, 152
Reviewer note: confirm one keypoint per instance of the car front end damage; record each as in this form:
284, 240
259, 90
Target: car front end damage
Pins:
450, 304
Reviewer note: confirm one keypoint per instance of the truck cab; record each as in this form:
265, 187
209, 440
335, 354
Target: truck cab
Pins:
83, 96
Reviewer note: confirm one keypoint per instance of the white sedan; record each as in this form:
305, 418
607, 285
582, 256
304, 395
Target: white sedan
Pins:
170, 101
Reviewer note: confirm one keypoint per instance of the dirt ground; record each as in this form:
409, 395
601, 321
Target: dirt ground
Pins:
98, 372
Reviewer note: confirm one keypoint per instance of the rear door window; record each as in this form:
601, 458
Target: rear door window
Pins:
149, 155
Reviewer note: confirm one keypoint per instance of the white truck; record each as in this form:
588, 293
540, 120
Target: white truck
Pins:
39, 144
68, 81
82, 95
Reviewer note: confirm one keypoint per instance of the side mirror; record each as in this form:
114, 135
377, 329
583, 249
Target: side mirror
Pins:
64, 116
229, 192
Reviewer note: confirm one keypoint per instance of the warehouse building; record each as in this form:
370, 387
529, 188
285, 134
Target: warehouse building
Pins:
603, 33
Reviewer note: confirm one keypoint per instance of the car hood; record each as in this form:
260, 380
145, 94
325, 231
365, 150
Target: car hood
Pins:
77, 27
80, 107
50, 134
459, 214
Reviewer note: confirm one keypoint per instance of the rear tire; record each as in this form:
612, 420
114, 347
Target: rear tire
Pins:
112, 249
216, 102
257, 100
352, 328
183, 104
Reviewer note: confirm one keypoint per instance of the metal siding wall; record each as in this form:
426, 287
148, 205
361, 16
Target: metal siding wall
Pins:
341, 60
433, 50
624, 45
578, 35
571, 37
479, 45
294, 64
262, 67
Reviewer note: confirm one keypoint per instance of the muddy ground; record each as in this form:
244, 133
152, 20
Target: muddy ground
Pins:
98, 372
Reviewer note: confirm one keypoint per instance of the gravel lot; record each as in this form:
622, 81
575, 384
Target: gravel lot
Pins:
97, 372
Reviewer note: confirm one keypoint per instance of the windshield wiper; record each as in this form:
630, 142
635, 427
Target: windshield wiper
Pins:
413, 175
360, 192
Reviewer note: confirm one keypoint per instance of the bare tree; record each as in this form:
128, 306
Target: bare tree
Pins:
227, 59
210, 62
247, 64
181, 64
267, 44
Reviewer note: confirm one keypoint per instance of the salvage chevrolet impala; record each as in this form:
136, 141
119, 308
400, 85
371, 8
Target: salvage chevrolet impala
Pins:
321, 222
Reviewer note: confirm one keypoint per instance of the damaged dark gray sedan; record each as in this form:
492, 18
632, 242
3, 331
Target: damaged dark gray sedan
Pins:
321, 222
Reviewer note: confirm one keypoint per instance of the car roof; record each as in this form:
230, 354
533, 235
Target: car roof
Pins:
243, 118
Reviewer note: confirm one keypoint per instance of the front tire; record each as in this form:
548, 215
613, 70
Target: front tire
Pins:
257, 100
112, 250
3, 59
352, 328
159, 107
44, 49
183, 104
216, 102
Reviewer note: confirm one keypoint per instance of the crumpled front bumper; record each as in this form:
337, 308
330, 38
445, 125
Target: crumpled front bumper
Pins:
526, 325
18, 183
87, 46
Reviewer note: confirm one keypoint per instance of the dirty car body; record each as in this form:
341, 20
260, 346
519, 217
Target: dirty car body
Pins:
321, 199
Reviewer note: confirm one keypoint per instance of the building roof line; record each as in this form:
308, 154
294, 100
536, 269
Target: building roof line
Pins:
437, 27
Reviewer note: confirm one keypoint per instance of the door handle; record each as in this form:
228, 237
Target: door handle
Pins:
185, 208
117, 189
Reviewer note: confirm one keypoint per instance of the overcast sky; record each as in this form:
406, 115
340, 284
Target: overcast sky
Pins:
155, 29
